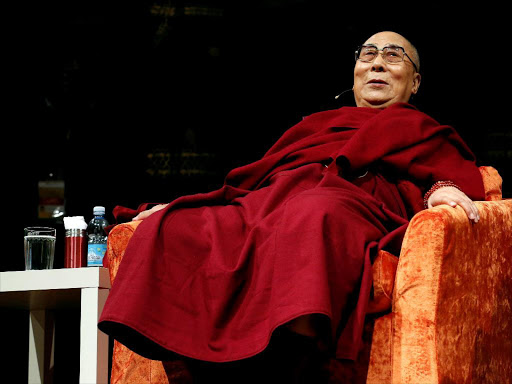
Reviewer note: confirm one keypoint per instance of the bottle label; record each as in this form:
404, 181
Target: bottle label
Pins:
95, 253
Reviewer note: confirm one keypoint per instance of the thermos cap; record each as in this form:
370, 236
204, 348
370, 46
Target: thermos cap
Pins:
75, 222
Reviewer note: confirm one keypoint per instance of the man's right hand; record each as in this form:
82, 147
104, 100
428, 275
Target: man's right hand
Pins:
145, 214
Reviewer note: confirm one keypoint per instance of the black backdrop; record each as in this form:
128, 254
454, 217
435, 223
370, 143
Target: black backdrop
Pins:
145, 101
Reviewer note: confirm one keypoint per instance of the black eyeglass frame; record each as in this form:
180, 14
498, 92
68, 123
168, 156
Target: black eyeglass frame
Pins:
381, 51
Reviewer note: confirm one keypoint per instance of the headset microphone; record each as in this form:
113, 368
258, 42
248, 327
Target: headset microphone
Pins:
345, 91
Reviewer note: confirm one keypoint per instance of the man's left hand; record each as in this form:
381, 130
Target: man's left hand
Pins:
453, 197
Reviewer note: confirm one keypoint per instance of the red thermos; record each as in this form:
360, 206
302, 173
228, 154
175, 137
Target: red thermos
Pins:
75, 255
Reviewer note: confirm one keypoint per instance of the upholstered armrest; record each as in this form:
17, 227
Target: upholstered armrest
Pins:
452, 301
118, 239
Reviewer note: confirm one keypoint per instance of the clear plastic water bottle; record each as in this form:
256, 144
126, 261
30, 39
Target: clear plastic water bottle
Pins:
97, 243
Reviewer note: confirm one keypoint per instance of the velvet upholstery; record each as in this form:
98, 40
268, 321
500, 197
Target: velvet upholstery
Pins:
456, 325
441, 313
384, 271
492, 183
127, 366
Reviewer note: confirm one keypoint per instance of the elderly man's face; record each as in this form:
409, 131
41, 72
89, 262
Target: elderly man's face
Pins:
379, 84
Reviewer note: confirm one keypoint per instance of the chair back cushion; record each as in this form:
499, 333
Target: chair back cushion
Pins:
492, 183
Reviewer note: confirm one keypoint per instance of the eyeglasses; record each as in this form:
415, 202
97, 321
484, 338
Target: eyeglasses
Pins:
391, 54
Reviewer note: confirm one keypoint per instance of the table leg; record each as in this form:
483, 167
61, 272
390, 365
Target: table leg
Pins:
93, 342
41, 346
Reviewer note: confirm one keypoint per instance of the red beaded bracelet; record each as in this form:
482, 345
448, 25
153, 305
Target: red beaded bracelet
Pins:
438, 185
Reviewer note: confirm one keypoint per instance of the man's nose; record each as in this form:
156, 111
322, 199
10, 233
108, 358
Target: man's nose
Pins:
378, 64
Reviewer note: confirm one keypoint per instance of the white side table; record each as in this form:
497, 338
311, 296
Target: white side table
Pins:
42, 291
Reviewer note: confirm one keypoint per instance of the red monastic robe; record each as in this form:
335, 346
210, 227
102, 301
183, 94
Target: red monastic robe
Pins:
212, 275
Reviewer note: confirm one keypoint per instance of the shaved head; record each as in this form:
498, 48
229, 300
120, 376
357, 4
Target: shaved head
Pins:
410, 49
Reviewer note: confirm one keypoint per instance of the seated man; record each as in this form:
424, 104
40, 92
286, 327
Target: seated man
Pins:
285, 247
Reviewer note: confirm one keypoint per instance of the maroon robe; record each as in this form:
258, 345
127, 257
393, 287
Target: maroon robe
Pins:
212, 275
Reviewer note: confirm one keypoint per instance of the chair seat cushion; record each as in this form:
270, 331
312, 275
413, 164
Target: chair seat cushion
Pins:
384, 271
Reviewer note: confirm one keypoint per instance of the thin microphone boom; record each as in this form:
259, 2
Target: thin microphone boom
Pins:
345, 91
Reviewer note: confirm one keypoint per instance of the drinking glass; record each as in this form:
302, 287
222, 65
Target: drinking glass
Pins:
39, 247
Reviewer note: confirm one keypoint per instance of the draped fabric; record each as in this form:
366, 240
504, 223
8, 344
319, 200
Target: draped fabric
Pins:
212, 275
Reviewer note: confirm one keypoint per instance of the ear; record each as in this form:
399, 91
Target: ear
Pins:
416, 83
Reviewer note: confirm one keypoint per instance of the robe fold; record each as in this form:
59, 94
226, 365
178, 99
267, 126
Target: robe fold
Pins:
212, 275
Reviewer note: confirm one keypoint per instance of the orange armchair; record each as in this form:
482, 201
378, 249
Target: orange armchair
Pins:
441, 313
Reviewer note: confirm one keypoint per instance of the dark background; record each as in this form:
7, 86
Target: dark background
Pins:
144, 101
